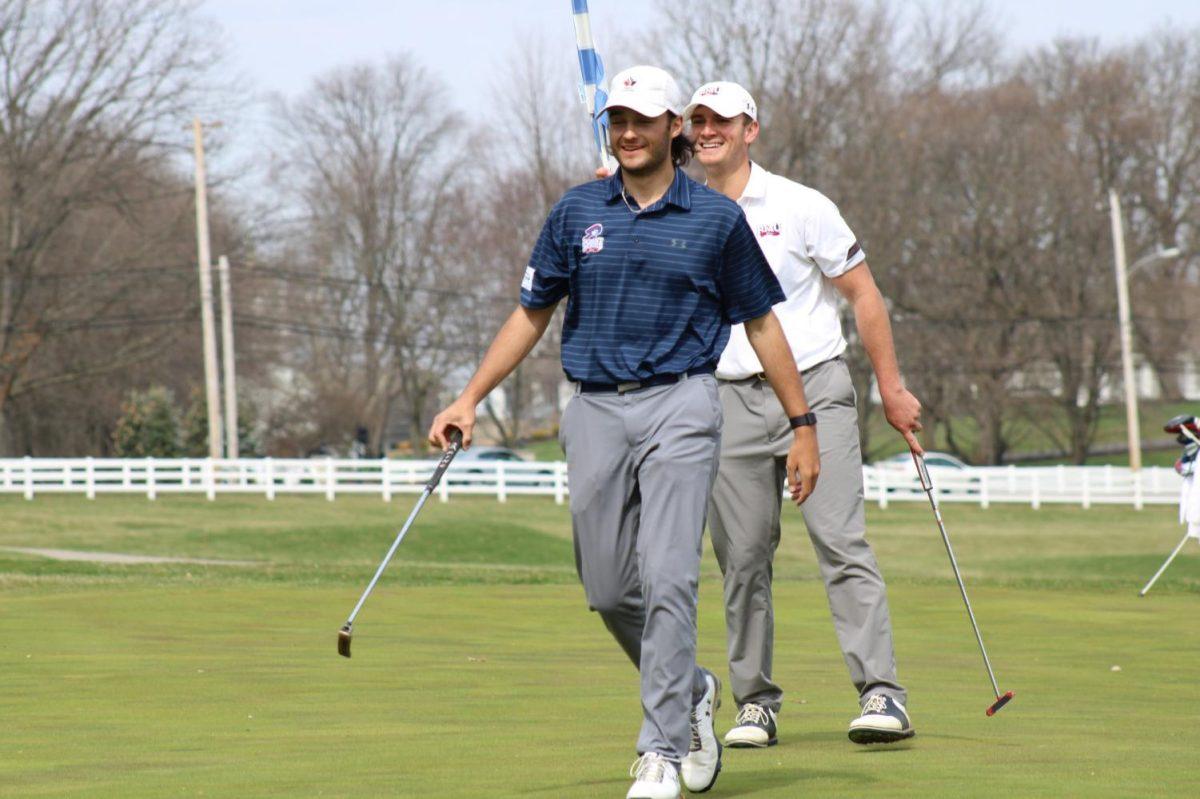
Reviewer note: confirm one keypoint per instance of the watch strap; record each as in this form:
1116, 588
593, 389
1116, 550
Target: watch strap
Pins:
803, 420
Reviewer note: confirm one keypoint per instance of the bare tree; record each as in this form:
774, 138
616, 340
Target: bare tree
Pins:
370, 154
92, 94
519, 178
1161, 196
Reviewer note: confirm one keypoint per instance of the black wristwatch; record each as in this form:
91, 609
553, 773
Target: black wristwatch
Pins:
809, 418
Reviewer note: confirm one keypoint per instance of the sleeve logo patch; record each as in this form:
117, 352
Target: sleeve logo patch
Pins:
527, 281
768, 230
593, 238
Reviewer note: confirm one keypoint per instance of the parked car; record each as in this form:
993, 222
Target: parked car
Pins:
932, 460
954, 473
471, 462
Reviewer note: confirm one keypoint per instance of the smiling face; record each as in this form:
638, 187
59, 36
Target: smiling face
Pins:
640, 143
722, 143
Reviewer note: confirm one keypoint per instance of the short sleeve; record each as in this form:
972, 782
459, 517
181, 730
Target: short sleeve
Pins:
748, 286
546, 278
828, 240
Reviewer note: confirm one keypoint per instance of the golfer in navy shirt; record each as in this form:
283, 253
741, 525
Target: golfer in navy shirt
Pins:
655, 269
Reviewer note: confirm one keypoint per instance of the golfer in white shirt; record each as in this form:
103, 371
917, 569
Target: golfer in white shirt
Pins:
817, 259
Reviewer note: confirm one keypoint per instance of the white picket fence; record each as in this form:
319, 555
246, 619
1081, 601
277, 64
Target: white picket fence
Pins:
1031, 485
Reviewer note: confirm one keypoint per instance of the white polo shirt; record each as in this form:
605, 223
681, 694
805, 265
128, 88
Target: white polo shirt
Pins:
806, 241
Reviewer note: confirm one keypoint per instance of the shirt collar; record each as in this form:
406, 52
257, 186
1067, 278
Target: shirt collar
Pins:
679, 193
756, 186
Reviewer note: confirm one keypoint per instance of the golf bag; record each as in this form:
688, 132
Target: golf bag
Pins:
1187, 432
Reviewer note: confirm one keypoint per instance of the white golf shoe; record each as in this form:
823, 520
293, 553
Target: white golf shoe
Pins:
702, 763
654, 777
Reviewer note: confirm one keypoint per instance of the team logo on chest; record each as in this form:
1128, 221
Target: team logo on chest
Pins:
768, 230
593, 238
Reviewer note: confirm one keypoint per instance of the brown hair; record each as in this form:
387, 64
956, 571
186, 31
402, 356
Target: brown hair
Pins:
682, 148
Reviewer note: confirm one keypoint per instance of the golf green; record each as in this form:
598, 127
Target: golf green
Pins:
478, 671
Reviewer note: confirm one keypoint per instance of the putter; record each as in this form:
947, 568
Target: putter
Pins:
1187, 431
344, 634
927, 484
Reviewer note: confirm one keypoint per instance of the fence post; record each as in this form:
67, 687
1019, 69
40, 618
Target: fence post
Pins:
1137, 490
984, 499
90, 477
1012, 478
560, 469
28, 477
1036, 493
126, 477
209, 478
150, 492
881, 482
329, 494
269, 469
386, 465
1087, 490
501, 487
444, 489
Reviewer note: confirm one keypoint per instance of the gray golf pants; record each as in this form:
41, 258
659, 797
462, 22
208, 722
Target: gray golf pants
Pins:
745, 515
641, 466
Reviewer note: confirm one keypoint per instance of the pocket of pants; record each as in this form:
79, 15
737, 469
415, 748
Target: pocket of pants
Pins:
562, 425
714, 400
844, 385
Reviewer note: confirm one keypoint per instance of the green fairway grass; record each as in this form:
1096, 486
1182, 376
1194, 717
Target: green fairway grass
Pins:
478, 670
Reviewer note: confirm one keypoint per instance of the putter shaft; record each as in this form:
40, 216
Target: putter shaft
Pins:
1163, 568
344, 634
927, 485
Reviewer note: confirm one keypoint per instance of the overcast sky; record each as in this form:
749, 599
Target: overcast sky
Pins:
279, 45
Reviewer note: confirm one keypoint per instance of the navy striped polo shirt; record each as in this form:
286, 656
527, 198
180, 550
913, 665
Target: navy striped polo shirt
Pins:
651, 293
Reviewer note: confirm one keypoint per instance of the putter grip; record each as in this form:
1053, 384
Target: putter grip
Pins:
447, 456
922, 472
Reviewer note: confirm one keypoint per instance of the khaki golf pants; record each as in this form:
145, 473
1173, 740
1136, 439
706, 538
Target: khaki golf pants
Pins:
745, 526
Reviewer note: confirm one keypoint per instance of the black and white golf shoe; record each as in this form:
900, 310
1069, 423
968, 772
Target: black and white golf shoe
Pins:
754, 727
883, 721
702, 764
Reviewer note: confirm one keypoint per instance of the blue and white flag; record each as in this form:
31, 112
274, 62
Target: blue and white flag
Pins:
592, 90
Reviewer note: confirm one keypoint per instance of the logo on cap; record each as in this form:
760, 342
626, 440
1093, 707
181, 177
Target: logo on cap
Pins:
709, 91
629, 82
593, 240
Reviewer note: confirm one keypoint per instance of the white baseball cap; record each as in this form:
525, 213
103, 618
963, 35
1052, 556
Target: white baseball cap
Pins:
727, 99
650, 91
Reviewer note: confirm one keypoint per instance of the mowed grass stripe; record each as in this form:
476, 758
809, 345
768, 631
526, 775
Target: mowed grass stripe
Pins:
313, 541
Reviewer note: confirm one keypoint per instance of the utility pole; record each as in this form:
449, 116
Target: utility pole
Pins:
212, 392
231, 414
1123, 319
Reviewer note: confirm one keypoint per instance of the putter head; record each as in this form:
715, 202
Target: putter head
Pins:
344, 641
1000, 702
